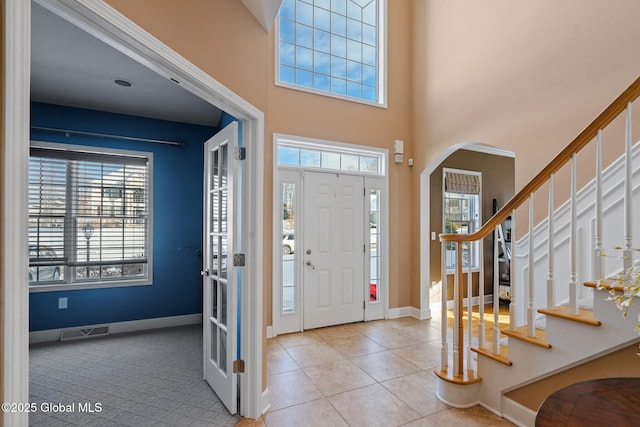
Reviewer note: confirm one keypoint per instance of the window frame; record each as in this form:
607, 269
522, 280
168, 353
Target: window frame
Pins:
476, 245
70, 282
292, 321
381, 67
300, 144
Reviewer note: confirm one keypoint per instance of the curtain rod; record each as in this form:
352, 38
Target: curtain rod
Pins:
105, 135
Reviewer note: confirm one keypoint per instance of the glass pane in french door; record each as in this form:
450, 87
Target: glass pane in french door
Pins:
219, 242
220, 276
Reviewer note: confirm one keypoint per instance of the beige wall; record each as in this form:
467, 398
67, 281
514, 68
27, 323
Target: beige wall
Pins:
522, 76
298, 113
519, 75
223, 39
497, 183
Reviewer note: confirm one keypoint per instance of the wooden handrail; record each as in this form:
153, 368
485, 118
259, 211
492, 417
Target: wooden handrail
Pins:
589, 133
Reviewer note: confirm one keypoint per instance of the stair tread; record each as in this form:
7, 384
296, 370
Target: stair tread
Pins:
606, 285
584, 315
522, 334
503, 357
468, 375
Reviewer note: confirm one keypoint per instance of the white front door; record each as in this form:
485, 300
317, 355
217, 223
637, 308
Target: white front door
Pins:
334, 249
220, 278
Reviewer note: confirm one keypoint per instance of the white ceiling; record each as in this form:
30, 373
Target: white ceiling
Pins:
70, 67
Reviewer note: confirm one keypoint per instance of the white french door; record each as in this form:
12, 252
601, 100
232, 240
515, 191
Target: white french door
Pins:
220, 278
334, 249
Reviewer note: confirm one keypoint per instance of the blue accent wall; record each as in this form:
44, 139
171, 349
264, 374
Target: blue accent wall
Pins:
177, 220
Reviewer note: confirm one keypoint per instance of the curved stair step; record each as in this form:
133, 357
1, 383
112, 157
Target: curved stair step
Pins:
468, 375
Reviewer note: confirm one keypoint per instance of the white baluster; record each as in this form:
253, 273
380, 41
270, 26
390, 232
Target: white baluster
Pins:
573, 267
469, 305
481, 296
550, 250
628, 211
513, 289
530, 311
598, 260
457, 308
496, 293
444, 351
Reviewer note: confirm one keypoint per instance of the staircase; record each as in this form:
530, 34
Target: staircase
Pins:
558, 322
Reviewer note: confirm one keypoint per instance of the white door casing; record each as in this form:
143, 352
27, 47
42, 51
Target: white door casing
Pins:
289, 214
334, 249
220, 278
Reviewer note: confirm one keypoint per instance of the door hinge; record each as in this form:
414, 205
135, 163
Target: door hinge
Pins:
240, 153
238, 366
238, 260
364, 305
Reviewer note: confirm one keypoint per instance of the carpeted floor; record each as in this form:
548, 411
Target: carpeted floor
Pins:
151, 378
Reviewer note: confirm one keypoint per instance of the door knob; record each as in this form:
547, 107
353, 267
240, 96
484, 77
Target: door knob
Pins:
308, 263
205, 272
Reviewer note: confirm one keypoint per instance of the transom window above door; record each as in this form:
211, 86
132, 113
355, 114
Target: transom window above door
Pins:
307, 155
332, 47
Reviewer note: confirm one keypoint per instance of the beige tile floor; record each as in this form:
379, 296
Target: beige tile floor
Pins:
363, 374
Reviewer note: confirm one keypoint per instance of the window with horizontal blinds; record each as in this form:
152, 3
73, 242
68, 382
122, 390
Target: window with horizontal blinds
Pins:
462, 183
461, 214
89, 215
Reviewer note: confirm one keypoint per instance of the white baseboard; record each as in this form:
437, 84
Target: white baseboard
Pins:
517, 413
423, 314
396, 313
266, 405
121, 327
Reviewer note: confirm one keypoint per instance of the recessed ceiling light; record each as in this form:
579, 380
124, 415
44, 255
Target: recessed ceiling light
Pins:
123, 83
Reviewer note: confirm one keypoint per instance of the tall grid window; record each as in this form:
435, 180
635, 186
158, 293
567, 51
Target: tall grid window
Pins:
461, 214
332, 46
89, 215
